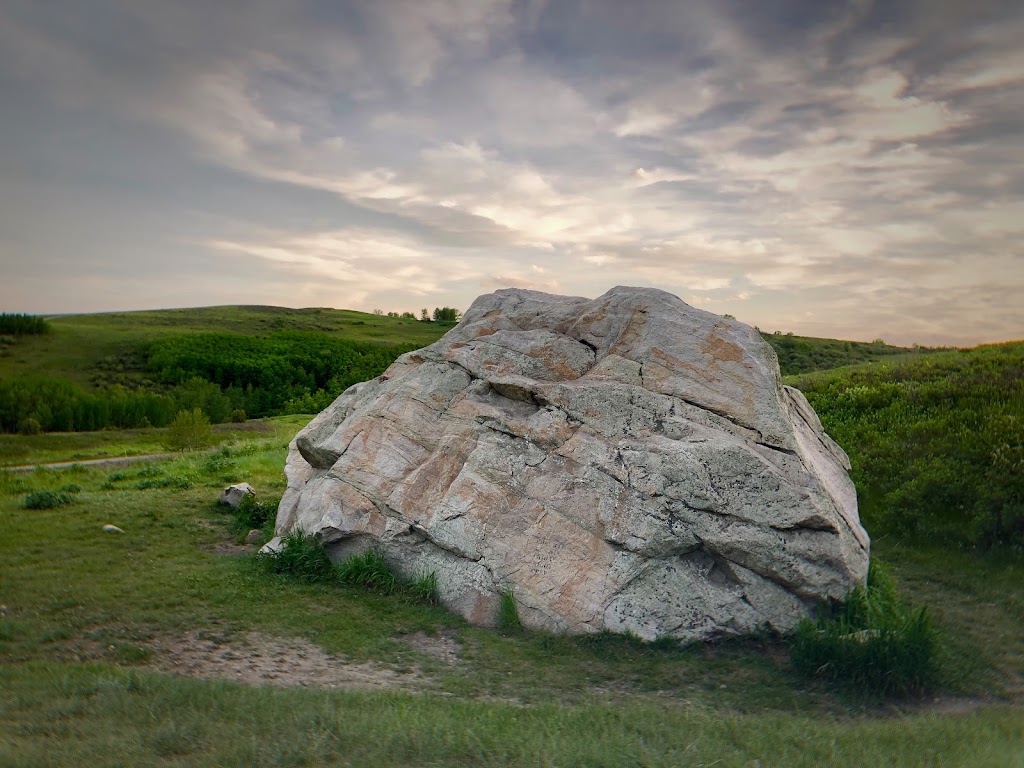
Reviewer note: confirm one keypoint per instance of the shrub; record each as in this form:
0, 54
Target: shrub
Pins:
301, 556
936, 443
251, 513
19, 324
48, 499
370, 571
190, 431
29, 426
237, 416
871, 641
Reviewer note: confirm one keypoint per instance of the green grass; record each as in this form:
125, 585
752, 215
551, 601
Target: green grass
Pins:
86, 611
936, 443
58, 447
804, 354
102, 715
871, 641
508, 613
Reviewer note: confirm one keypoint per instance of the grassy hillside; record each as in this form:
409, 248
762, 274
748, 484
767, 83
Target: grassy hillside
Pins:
936, 442
803, 354
90, 350
137, 369
165, 645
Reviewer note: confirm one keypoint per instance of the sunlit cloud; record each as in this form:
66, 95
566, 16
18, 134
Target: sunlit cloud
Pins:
841, 170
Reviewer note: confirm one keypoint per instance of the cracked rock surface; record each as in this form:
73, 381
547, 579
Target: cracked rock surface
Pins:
627, 463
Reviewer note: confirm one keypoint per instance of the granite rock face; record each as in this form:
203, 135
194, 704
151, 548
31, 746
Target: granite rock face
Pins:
627, 463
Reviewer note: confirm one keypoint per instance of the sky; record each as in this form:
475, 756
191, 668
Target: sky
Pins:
841, 169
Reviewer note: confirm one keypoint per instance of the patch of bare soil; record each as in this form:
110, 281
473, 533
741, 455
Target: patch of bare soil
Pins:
244, 426
442, 646
231, 548
258, 659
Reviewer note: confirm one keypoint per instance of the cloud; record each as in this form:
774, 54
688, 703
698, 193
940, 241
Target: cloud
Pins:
854, 161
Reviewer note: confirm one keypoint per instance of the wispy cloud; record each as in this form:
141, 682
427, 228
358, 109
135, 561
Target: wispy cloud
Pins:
839, 168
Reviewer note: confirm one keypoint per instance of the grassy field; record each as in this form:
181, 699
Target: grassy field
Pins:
936, 443
79, 347
92, 623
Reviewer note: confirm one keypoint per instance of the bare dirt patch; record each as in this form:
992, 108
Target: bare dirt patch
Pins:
257, 659
442, 646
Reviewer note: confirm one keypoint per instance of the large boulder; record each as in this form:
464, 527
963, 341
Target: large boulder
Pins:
627, 463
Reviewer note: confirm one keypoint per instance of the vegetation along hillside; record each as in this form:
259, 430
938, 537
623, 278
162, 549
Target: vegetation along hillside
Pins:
936, 442
138, 369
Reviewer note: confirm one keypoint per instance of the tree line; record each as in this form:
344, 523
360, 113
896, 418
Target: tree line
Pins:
227, 376
22, 325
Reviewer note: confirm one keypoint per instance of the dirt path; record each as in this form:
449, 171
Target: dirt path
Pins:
114, 461
258, 659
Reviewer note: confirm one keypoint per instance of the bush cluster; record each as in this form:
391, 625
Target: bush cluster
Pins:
252, 513
285, 372
49, 499
871, 641
22, 325
228, 376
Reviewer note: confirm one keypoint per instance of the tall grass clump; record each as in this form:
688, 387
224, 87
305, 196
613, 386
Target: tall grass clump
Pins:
370, 571
508, 613
301, 556
48, 499
871, 641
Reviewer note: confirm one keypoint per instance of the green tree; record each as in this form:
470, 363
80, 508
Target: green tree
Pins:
190, 431
446, 315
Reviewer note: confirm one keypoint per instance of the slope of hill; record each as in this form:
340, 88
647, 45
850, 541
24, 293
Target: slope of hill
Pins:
802, 354
936, 442
134, 369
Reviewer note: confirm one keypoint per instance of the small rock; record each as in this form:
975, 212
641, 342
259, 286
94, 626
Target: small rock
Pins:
272, 547
233, 494
254, 536
112, 529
